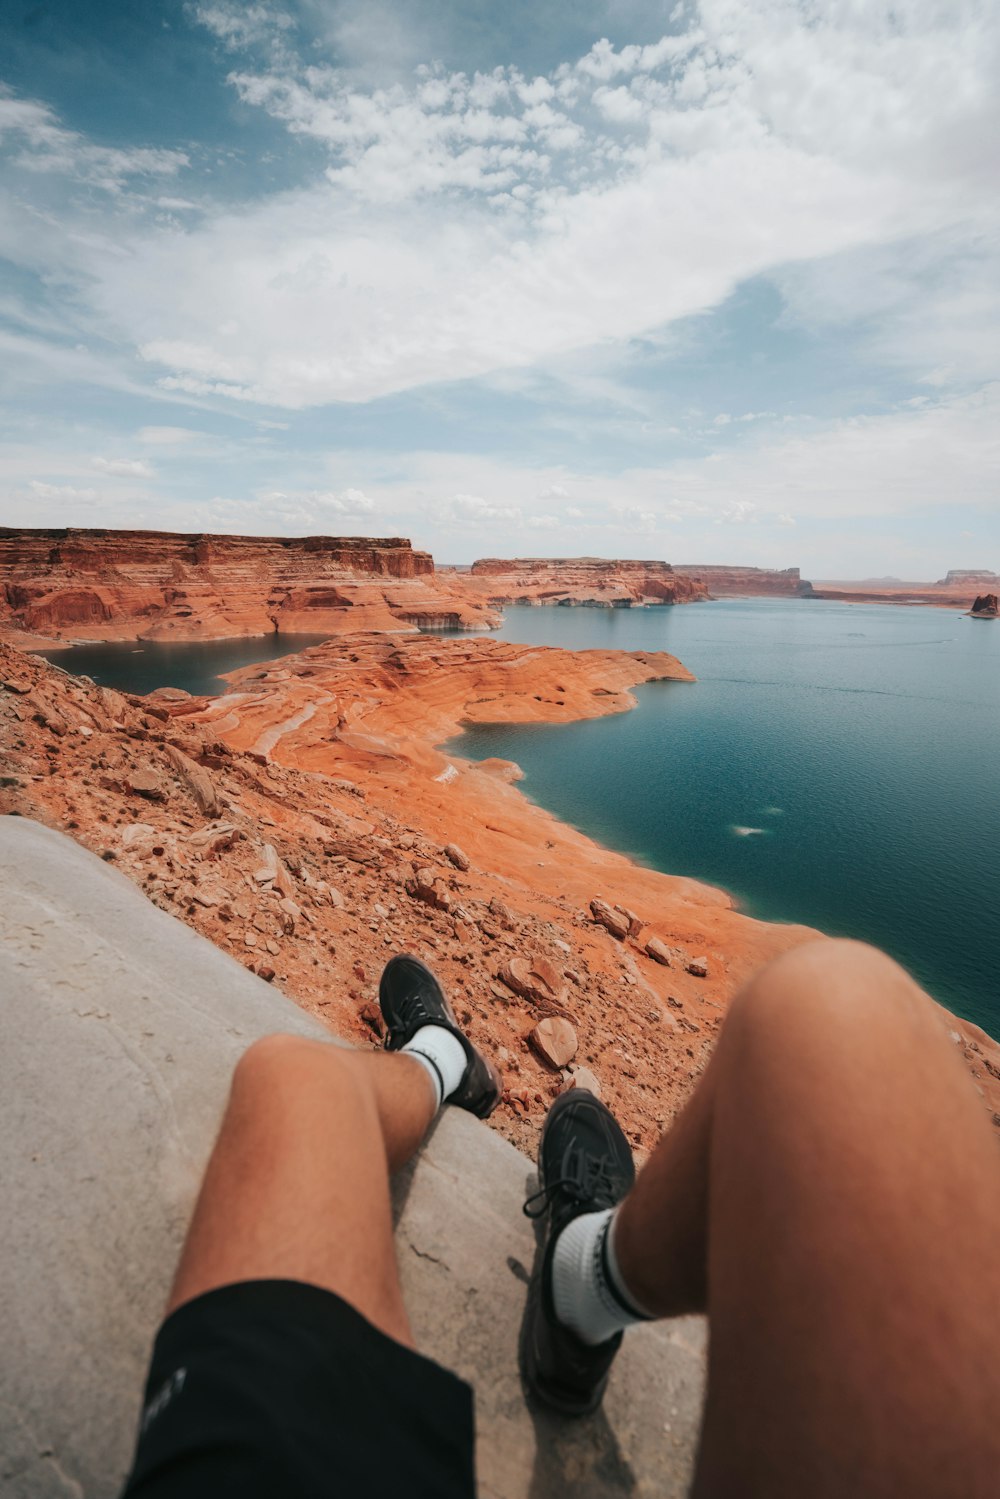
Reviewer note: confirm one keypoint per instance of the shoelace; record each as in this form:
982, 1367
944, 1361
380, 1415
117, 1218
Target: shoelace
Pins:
586, 1178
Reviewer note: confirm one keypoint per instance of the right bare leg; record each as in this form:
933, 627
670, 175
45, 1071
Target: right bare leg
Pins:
831, 1196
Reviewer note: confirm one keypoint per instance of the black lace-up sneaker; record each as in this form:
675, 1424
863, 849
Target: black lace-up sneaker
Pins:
410, 996
584, 1165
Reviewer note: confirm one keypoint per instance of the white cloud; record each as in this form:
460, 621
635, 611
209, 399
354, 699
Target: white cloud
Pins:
42, 144
240, 26
468, 225
123, 468
353, 502
167, 437
61, 491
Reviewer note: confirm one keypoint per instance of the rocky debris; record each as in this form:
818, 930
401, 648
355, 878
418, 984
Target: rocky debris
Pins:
582, 1077
698, 967
455, 856
613, 920
554, 1039
503, 917
536, 980
428, 886
197, 779
658, 951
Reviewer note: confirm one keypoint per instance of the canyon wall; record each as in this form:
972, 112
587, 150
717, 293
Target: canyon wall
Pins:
722, 582
162, 585
597, 582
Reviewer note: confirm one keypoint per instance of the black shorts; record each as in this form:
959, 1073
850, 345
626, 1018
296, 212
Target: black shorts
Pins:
279, 1389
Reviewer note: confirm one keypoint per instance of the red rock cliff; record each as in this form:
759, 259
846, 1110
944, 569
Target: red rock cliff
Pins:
112, 585
595, 581
747, 581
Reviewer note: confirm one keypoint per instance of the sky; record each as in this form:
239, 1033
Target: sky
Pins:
707, 281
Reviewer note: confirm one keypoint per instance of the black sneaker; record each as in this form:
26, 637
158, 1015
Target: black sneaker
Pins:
410, 996
584, 1165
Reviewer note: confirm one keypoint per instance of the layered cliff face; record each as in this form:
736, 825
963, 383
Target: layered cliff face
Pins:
161, 585
724, 582
588, 581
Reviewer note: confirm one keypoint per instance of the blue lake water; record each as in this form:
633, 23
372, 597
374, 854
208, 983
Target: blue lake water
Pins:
144, 665
835, 765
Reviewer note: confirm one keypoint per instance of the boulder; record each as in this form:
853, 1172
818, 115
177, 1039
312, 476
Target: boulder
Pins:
554, 1039
535, 979
658, 951
614, 921
455, 856
698, 967
148, 783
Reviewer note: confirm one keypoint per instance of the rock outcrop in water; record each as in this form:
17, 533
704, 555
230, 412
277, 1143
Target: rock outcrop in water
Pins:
985, 607
594, 582
161, 585
747, 582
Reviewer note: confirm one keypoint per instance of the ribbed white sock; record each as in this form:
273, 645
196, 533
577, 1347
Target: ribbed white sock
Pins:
588, 1292
442, 1054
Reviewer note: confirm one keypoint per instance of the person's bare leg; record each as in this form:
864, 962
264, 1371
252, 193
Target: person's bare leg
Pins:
832, 1197
297, 1186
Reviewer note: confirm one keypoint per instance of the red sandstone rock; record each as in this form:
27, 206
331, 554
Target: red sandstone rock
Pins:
658, 951
724, 582
535, 979
120, 585
455, 856
698, 967
986, 606
595, 582
613, 920
555, 1041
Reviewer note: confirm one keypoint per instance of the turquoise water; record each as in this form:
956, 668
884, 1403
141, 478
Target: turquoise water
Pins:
144, 665
834, 765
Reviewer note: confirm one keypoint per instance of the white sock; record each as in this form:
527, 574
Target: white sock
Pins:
588, 1292
442, 1054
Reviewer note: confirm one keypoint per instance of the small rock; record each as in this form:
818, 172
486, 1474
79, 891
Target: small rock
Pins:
370, 1015
147, 783
582, 1077
658, 951
698, 967
265, 972
456, 856
535, 979
613, 921
554, 1039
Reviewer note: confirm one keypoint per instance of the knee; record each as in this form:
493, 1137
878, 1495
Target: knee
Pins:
833, 980
283, 1064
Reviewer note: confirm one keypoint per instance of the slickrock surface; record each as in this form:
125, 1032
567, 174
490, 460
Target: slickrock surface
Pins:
306, 824
160, 585
745, 582
120, 1030
596, 582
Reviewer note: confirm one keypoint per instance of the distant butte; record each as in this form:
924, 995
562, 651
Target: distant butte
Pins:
985, 606
68, 585
588, 582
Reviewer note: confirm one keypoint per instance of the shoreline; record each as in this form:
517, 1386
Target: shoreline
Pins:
306, 823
